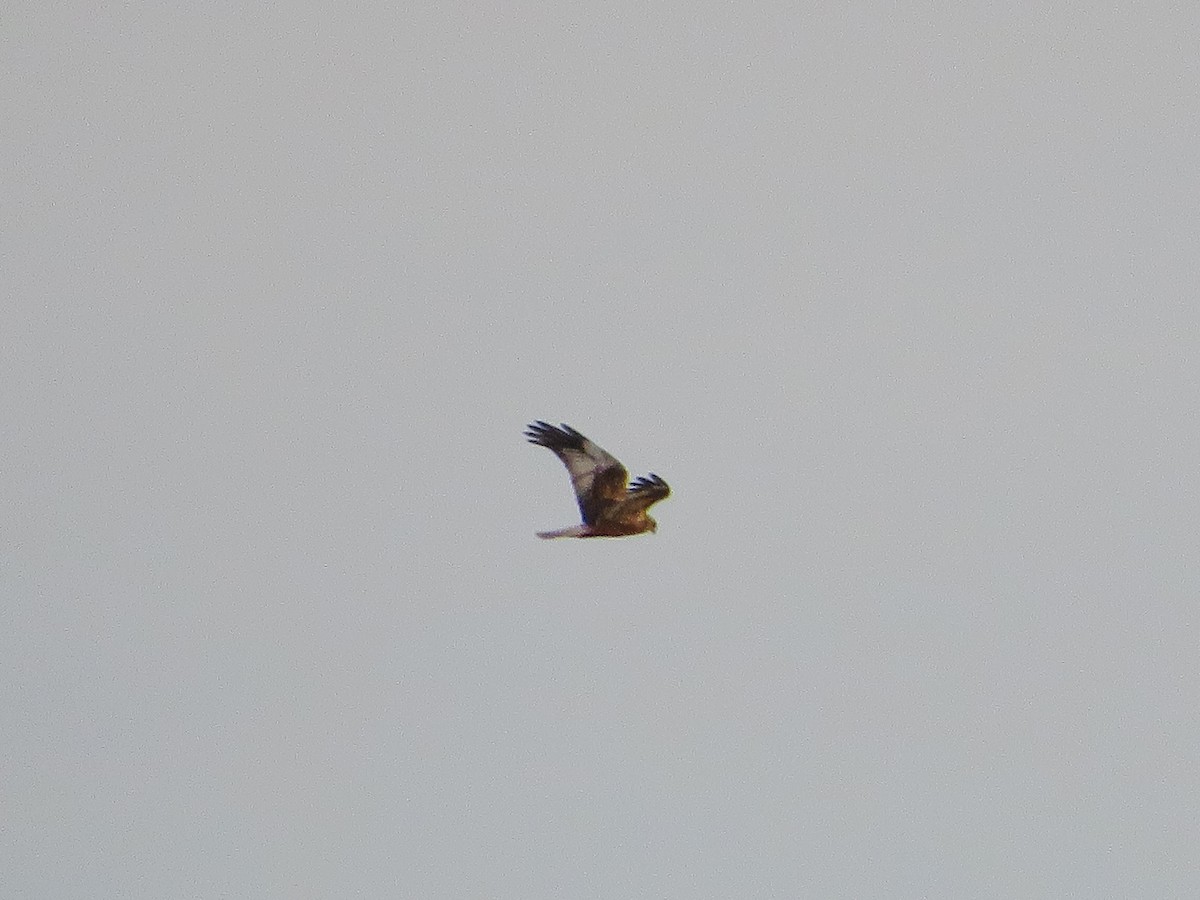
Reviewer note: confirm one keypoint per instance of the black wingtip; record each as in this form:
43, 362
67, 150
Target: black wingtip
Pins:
649, 482
554, 437
536, 432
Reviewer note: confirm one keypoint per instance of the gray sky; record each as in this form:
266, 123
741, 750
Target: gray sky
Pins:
900, 299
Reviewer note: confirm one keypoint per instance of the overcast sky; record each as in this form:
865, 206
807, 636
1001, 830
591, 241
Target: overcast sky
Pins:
899, 298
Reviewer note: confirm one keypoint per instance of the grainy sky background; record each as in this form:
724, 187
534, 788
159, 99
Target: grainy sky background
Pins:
900, 298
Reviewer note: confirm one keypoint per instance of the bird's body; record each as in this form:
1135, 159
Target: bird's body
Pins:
610, 506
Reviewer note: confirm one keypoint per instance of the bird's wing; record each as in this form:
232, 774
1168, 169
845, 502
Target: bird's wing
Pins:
644, 492
598, 477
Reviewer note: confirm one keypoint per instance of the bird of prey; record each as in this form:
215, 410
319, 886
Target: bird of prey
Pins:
610, 506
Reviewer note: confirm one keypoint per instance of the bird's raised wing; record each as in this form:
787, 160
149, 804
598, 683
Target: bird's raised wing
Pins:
645, 492
598, 477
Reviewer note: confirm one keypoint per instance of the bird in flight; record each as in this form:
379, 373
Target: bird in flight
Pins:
611, 507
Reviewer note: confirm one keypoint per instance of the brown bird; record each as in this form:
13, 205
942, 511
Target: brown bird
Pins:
611, 507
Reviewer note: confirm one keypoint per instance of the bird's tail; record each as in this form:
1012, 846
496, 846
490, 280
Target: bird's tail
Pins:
573, 531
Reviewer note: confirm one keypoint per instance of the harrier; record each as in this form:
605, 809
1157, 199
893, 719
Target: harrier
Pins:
610, 506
